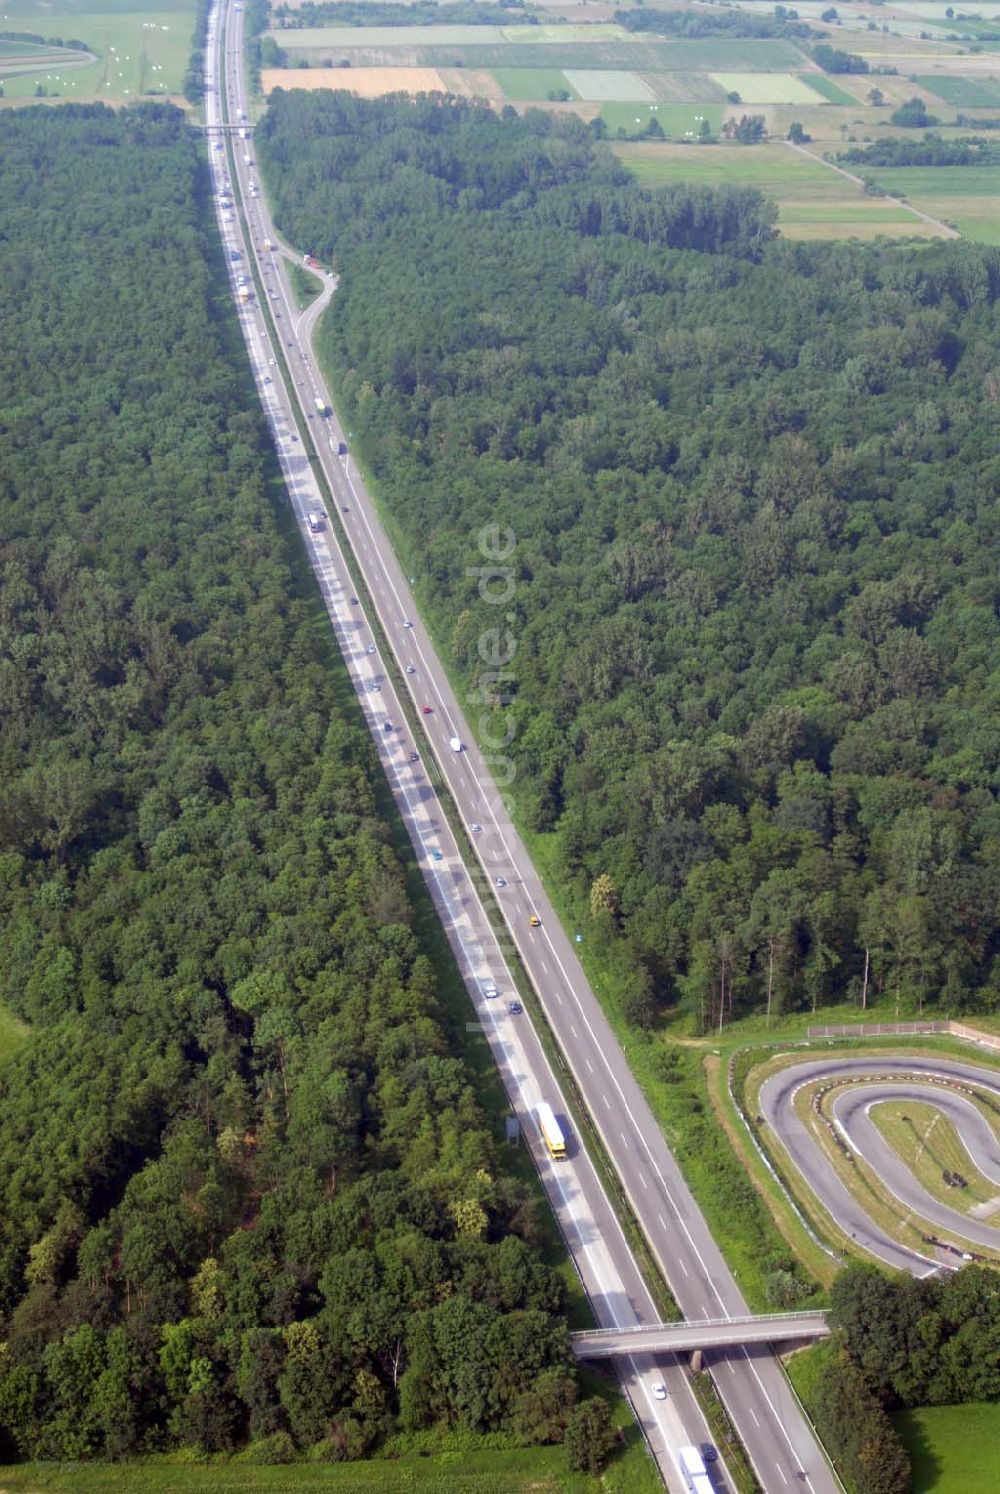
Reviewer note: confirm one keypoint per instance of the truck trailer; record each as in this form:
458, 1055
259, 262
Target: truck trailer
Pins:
692, 1465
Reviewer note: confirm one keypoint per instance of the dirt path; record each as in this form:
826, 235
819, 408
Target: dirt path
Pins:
949, 233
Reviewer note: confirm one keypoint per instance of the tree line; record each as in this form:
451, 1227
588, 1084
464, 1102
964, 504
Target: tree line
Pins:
930, 151
248, 1194
753, 490
902, 1341
401, 13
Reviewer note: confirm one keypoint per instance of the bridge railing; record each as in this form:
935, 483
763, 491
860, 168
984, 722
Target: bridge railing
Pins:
686, 1325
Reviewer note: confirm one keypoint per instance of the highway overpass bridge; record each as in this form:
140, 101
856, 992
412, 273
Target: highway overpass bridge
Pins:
711, 1333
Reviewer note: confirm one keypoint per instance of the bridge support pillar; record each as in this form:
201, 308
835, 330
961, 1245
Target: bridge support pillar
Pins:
696, 1361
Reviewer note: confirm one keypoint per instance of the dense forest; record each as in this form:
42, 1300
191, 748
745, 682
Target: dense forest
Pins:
728, 23
901, 1342
247, 1192
751, 681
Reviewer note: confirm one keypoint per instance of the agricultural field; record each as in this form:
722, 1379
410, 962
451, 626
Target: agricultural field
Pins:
367, 82
606, 84
834, 93
139, 52
532, 84
966, 198
766, 88
964, 93
813, 201
677, 121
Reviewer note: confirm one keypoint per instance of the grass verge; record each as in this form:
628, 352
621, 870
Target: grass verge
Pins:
305, 286
953, 1449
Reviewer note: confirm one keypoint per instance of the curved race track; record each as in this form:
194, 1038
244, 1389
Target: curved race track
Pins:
903, 1078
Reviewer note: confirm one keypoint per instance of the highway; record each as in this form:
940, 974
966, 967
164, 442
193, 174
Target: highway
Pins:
901, 1078
751, 1383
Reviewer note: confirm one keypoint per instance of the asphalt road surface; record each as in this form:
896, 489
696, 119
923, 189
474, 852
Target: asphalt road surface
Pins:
751, 1382
902, 1078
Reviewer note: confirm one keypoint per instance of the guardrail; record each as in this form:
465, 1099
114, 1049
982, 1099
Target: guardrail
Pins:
909, 1029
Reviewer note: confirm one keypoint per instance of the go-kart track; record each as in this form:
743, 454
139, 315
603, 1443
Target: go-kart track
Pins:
858, 1084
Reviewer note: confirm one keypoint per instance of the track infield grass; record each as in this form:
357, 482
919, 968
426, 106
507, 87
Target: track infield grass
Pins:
930, 1145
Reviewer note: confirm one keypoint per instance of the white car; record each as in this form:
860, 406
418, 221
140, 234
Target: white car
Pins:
475, 827
659, 1391
410, 669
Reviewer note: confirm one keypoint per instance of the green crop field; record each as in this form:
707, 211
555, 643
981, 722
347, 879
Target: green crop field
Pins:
599, 31
966, 93
532, 83
765, 88
725, 55
965, 197
677, 121
684, 88
608, 83
139, 50
813, 201
828, 89
954, 1449
308, 38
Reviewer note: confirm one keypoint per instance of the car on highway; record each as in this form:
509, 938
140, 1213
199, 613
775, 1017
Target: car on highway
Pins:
437, 856
515, 1008
407, 623
501, 881
387, 726
475, 827
414, 757
427, 710
371, 648
708, 1453
410, 669
535, 921
659, 1391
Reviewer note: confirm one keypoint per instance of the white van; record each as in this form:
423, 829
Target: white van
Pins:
456, 744
317, 521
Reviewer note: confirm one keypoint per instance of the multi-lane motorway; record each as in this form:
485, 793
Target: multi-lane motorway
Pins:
936, 1081
753, 1387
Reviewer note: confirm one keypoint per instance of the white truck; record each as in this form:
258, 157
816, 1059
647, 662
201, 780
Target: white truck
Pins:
551, 1131
692, 1465
317, 521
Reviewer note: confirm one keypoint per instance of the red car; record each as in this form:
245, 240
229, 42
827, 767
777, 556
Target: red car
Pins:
426, 710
